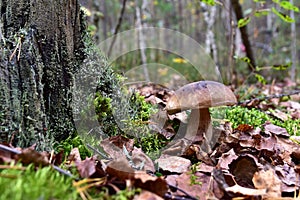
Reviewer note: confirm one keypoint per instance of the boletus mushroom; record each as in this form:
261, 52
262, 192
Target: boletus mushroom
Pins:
199, 97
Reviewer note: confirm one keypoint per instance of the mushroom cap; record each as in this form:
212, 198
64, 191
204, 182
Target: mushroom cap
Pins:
201, 94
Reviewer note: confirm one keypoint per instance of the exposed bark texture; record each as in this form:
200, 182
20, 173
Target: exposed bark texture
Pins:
244, 33
42, 47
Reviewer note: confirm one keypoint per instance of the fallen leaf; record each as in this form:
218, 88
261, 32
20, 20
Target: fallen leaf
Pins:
120, 168
146, 195
196, 185
288, 176
243, 169
174, 164
121, 141
74, 156
112, 150
269, 181
153, 184
246, 191
86, 168
171, 179
140, 158
202, 167
280, 115
277, 130
29, 155
226, 159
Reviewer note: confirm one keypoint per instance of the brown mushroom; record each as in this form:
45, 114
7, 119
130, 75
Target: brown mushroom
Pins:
199, 97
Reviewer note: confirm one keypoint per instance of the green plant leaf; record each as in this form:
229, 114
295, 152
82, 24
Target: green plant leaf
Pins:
283, 16
288, 6
260, 78
245, 59
243, 22
262, 12
282, 67
209, 2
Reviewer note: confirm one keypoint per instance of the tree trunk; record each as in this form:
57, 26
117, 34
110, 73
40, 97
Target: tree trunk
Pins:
244, 34
41, 48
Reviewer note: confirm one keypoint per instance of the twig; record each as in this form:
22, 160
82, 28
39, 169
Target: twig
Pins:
274, 96
98, 152
11, 150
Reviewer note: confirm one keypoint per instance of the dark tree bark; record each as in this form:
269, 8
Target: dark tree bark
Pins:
244, 33
41, 47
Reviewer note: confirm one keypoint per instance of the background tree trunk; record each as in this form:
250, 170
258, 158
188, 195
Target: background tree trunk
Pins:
244, 34
41, 47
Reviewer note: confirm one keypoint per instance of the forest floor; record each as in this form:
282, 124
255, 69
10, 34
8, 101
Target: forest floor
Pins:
245, 161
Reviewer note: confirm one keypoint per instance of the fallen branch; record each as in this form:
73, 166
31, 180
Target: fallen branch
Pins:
274, 96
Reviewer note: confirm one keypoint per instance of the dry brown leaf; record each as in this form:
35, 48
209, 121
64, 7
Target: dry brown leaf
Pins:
280, 115
269, 181
295, 105
174, 164
277, 130
288, 176
114, 146
140, 158
202, 167
171, 179
288, 149
243, 169
255, 139
201, 187
121, 141
74, 156
246, 191
86, 168
226, 159
153, 184
295, 114
29, 156
120, 168
146, 195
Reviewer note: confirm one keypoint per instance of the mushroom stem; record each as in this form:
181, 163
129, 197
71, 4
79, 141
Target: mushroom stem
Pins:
199, 125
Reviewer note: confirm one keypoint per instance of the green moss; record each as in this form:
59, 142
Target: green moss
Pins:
128, 193
45, 183
118, 111
254, 117
151, 144
70, 143
103, 107
140, 109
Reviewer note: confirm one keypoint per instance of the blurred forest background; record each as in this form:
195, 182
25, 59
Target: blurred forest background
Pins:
273, 40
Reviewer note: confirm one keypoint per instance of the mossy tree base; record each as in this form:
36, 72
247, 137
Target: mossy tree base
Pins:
41, 48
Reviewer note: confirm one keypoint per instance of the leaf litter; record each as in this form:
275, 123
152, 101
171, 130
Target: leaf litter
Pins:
246, 162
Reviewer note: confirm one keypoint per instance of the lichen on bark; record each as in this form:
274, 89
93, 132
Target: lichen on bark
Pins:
41, 45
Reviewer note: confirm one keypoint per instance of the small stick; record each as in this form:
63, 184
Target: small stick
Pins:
274, 96
11, 150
